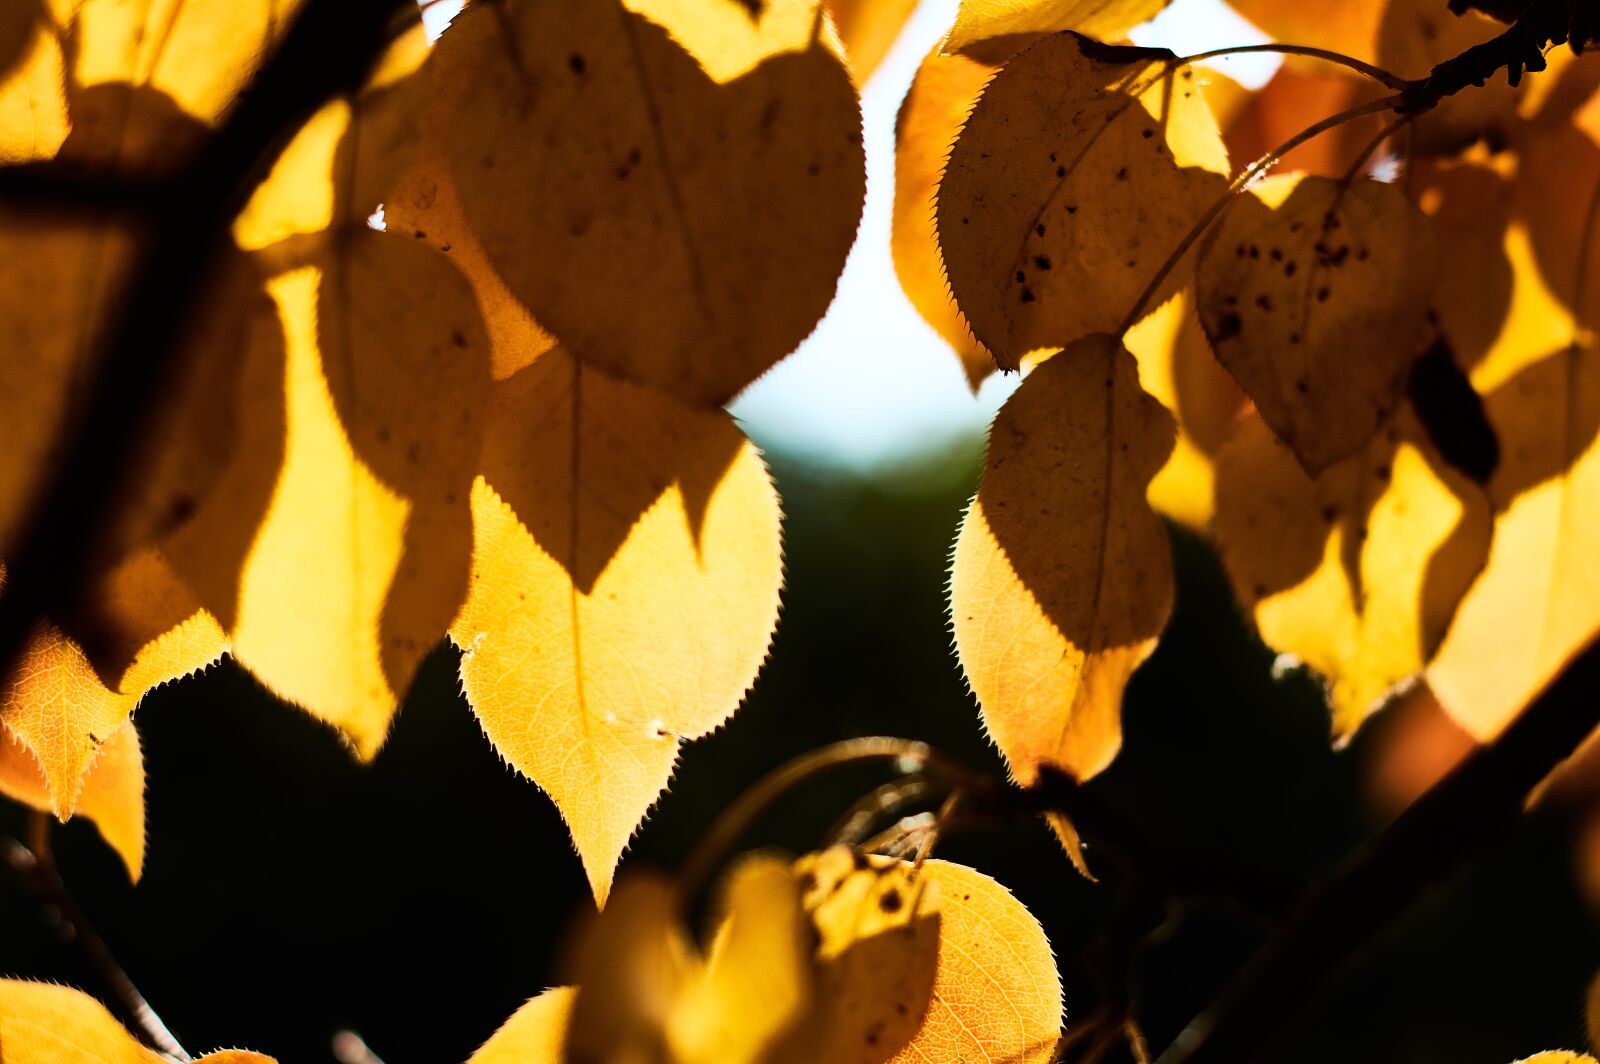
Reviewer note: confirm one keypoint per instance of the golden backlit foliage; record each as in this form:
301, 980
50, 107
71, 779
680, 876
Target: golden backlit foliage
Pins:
459, 368
837, 956
625, 573
1069, 127
1062, 580
377, 439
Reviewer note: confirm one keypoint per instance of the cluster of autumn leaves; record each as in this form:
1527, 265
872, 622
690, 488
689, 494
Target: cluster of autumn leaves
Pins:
1372, 380
493, 410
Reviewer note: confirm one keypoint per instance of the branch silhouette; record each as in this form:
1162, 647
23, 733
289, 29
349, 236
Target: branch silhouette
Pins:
327, 50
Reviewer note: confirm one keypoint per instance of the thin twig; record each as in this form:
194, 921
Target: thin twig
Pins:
1376, 73
1417, 853
888, 800
1360, 161
907, 756
35, 864
1238, 185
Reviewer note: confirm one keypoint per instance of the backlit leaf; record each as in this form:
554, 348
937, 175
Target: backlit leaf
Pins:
65, 712
1107, 20
1079, 172
1469, 203
645, 994
41, 1023
1063, 575
1347, 26
52, 310
878, 949
679, 223
1177, 368
994, 994
148, 78
869, 29
112, 794
1536, 603
33, 102
1357, 572
1314, 296
624, 589
1295, 98
361, 560
535, 1034
938, 102
341, 162
424, 204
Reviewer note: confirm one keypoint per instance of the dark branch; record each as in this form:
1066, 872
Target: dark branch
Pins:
58, 185
1427, 844
327, 51
1520, 48
35, 865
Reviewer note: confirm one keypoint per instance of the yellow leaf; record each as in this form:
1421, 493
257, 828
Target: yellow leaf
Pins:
1537, 602
980, 20
41, 1023
626, 568
757, 984
1081, 169
1558, 1056
1177, 368
645, 995
424, 204
1469, 203
335, 172
64, 712
877, 924
535, 1034
940, 98
361, 560
112, 794
992, 993
678, 223
33, 101
1357, 572
64, 277
1347, 26
148, 78
869, 29
1063, 575
52, 311
1314, 296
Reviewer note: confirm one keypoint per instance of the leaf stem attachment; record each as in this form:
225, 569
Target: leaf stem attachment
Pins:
906, 757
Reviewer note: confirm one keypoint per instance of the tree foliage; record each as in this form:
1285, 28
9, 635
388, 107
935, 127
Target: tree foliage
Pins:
457, 363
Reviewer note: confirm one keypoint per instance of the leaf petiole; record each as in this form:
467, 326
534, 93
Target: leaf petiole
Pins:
1376, 73
906, 756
